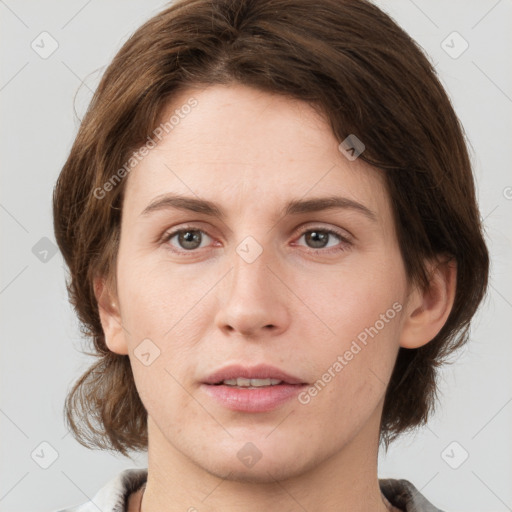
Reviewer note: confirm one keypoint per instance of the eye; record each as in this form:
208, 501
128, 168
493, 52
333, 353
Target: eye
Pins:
187, 239
319, 239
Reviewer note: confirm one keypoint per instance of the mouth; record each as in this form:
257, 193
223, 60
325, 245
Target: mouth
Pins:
255, 376
259, 388
241, 382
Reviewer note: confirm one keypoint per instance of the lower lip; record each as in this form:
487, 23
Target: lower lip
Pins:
253, 399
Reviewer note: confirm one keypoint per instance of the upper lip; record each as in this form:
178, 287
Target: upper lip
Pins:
261, 371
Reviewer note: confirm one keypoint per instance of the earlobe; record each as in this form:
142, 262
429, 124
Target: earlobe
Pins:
110, 318
428, 310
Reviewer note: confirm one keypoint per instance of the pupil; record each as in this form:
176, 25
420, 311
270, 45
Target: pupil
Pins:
318, 238
190, 239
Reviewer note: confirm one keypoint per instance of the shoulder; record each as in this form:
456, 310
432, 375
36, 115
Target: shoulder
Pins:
113, 496
404, 495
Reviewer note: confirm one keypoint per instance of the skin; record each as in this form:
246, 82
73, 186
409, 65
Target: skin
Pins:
251, 152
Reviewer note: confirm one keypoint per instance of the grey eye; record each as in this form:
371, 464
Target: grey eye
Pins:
319, 238
188, 239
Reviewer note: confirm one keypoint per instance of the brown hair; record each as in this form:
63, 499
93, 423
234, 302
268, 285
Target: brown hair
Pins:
349, 60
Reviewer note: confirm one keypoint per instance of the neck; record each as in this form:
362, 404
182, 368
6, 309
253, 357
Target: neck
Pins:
347, 481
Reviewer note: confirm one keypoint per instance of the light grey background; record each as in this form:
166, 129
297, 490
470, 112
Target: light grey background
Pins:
40, 338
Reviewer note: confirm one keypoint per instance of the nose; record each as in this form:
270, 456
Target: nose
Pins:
253, 299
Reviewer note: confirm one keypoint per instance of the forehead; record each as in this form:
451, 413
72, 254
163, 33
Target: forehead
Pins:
248, 149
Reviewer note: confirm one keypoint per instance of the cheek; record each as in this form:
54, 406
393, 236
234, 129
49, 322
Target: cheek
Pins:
352, 298
162, 326
161, 390
362, 310
352, 373
159, 300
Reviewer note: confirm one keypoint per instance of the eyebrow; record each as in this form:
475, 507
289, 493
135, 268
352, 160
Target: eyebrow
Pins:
293, 207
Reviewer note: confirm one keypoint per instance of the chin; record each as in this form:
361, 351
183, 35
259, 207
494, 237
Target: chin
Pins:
268, 465
263, 474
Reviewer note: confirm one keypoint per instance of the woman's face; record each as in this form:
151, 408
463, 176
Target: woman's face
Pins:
312, 291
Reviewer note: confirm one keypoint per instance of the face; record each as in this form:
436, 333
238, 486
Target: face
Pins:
314, 292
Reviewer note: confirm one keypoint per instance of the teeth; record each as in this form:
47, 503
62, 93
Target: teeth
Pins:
256, 383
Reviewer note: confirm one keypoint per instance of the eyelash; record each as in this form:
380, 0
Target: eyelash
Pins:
345, 242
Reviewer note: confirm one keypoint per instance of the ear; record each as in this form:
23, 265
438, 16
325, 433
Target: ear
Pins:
427, 311
110, 317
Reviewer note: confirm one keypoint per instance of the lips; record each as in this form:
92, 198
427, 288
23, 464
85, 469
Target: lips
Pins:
252, 399
261, 371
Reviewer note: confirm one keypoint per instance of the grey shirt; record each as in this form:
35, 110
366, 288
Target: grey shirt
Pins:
113, 496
